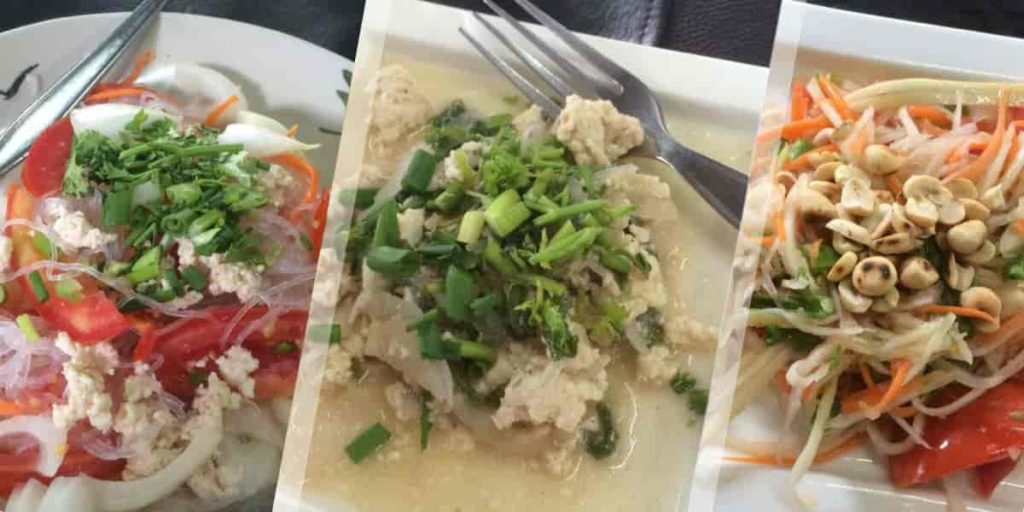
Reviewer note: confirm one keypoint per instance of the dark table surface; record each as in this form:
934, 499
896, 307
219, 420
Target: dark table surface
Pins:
740, 30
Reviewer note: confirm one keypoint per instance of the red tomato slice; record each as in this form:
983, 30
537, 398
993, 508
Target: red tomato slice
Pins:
193, 339
47, 159
978, 434
988, 476
16, 469
277, 379
320, 222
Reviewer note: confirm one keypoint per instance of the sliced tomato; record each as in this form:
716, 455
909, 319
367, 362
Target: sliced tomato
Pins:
320, 222
47, 159
984, 431
187, 341
16, 468
277, 378
988, 476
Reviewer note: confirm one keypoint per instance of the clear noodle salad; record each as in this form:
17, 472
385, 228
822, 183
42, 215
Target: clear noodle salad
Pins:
887, 300
157, 257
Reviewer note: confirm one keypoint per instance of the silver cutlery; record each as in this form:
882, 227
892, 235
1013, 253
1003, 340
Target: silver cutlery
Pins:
69, 90
721, 186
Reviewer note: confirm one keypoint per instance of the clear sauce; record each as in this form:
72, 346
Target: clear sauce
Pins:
653, 465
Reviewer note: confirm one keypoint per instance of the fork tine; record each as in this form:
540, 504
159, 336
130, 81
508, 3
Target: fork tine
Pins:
536, 65
588, 52
579, 78
531, 91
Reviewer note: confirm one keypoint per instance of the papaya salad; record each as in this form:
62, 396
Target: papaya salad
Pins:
887, 298
158, 254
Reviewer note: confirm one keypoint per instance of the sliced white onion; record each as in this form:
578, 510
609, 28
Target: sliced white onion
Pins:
256, 422
256, 119
70, 493
197, 89
52, 440
261, 142
110, 119
27, 497
115, 496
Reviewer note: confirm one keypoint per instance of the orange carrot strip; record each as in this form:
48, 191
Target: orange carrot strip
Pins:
865, 374
803, 162
219, 109
795, 129
1019, 227
12, 408
799, 102
974, 170
770, 459
144, 60
835, 96
939, 309
293, 130
116, 92
900, 369
895, 186
1011, 328
977, 147
780, 226
931, 129
875, 394
932, 114
300, 164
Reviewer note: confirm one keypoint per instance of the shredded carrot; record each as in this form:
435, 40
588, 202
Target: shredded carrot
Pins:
293, 130
900, 369
219, 109
932, 114
115, 92
799, 102
766, 240
865, 374
835, 96
300, 164
906, 411
954, 157
770, 459
881, 393
779, 225
977, 147
931, 129
893, 183
815, 249
976, 169
1018, 124
803, 162
796, 129
12, 408
143, 60
939, 309
1011, 328
1018, 227
805, 395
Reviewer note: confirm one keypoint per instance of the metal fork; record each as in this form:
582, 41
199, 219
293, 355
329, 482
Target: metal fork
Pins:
721, 186
63, 95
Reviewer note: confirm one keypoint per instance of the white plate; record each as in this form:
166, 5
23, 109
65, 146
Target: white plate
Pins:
712, 105
283, 76
864, 48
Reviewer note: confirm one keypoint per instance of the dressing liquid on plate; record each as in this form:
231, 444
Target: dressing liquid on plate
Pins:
653, 463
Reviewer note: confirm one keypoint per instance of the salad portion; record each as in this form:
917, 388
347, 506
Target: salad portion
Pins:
157, 258
887, 296
495, 268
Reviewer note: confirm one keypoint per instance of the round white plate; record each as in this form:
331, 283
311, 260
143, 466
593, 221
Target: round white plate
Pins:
282, 76
285, 77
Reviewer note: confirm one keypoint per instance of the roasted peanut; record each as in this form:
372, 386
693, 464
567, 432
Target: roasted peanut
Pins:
874, 276
917, 273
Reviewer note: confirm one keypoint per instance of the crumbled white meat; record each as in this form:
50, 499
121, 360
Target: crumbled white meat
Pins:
149, 431
191, 298
236, 367
659, 364
338, 367
75, 231
331, 279
85, 393
186, 252
6, 248
410, 225
216, 480
595, 132
646, 291
403, 401
650, 194
555, 392
473, 152
278, 182
397, 110
683, 330
512, 358
237, 278
530, 125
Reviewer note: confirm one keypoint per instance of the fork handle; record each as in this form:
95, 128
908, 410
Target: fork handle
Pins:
723, 187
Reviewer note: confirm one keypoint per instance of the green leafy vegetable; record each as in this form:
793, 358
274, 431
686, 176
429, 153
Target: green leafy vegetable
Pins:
794, 337
601, 443
367, 442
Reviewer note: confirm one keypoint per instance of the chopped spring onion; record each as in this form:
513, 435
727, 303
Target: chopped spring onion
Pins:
194, 278
449, 198
486, 303
476, 351
178, 222
393, 261
471, 226
368, 442
799, 147
68, 289
682, 383
184, 193
506, 213
424, 319
27, 328
204, 223
35, 281
493, 254
458, 289
420, 172
567, 245
327, 333
360, 198
44, 245
175, 282
3, 294
826, 258
601, 443
147, 266
117, 208
285, 347
386, 232
426, 422
566, 212
615, 259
